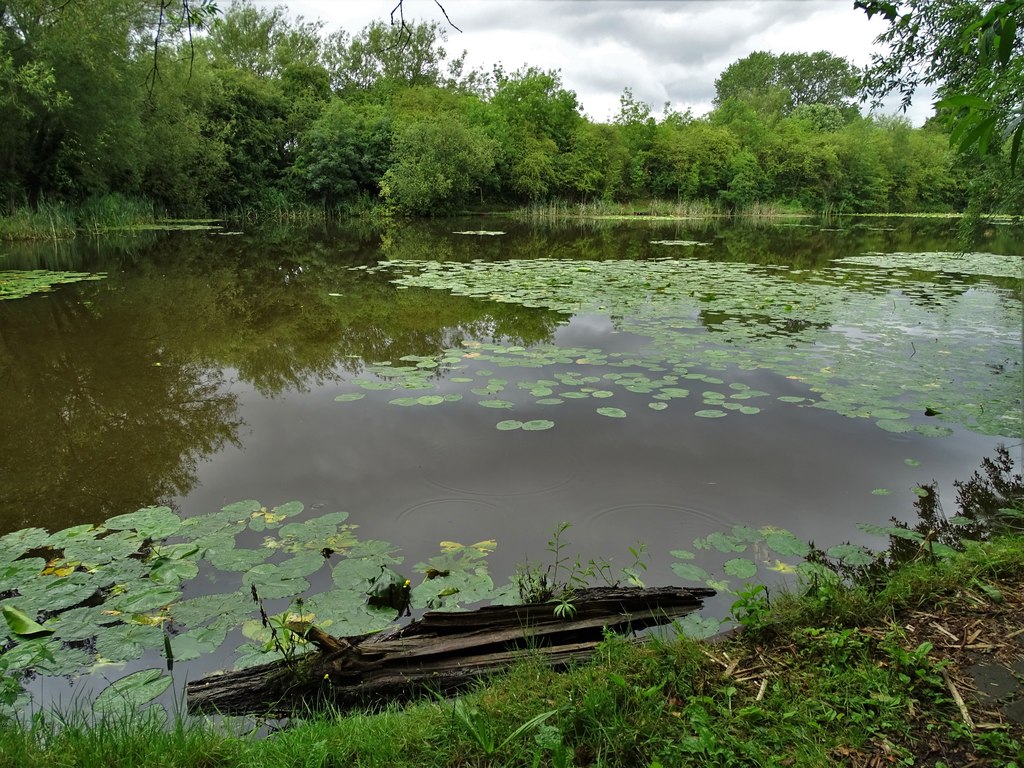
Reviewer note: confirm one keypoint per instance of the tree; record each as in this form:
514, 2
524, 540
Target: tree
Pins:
262, 41
438, 164
344, 154
384, 57
779, 84
971, 50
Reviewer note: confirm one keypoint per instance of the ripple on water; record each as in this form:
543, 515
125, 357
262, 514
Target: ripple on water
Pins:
452, 510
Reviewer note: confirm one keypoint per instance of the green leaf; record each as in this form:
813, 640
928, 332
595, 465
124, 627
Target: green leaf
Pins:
23, 625
710, 413
722, 542
690, 572
167, 571
537, 425
699, 627
612, 413
740, 567
129, 693
495, 403
785, 543
851, 554
144, 600
350, 397
508, 425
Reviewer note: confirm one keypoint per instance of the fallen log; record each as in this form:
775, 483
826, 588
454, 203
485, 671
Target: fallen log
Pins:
442, 652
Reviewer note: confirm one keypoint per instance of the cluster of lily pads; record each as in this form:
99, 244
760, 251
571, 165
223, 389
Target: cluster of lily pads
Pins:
749, 551
92, 596
17, 284
865, 337
97, 596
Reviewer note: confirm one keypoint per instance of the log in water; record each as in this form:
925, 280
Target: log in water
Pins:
441, 652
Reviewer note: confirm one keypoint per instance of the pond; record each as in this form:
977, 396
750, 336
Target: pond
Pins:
388, 398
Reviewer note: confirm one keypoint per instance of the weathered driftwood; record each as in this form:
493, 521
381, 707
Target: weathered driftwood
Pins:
442, 651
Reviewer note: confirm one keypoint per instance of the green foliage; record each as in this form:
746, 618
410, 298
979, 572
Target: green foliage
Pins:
779, 85
438, 165
344, 154
971, 52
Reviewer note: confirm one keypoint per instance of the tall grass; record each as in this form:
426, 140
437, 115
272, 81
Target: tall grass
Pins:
50, 221
114, 211
58, 221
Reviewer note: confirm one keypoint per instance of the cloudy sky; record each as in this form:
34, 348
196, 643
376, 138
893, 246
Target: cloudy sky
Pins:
668, 50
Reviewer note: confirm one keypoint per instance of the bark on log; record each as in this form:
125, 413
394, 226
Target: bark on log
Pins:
442, 651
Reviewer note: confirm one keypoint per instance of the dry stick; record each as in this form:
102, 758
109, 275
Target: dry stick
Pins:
761, 690
958, 699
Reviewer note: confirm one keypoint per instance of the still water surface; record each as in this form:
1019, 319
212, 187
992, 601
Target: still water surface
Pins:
204, 369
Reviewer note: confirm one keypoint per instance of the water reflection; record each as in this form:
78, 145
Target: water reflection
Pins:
103, 412
203, 369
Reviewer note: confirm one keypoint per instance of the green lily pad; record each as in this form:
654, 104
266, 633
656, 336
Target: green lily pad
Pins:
851, 554
690, 572
23, 624
699, 627
740, 567
612, 413
508, 425
710, 413
150, 523
537, 425
785, 543
131, 692
349, 397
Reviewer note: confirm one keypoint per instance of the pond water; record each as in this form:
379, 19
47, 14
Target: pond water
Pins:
647, 382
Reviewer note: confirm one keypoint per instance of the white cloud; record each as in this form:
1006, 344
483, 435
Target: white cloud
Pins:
662, 50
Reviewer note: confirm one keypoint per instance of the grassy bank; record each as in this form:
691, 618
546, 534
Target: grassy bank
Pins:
56, 221
837, 674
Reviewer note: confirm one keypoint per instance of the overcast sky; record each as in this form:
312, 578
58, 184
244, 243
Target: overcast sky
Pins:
672, 50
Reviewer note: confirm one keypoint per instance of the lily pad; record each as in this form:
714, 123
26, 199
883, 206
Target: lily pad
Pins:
612, 413
851, 554
537, 425
131, 692
24, 625
740, 567
710, 413
349, 397
690, 572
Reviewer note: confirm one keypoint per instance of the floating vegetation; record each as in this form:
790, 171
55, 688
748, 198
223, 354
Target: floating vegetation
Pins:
16, 284
989, 264
92, 596
911, 354
170, 226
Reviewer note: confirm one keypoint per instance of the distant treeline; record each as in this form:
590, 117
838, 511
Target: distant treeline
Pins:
263, 112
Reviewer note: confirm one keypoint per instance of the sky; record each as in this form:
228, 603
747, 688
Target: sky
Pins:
664, 50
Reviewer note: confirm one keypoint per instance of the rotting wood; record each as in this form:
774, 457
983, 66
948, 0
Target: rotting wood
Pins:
442, 651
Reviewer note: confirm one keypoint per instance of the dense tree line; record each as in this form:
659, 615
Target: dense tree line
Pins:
263, 111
